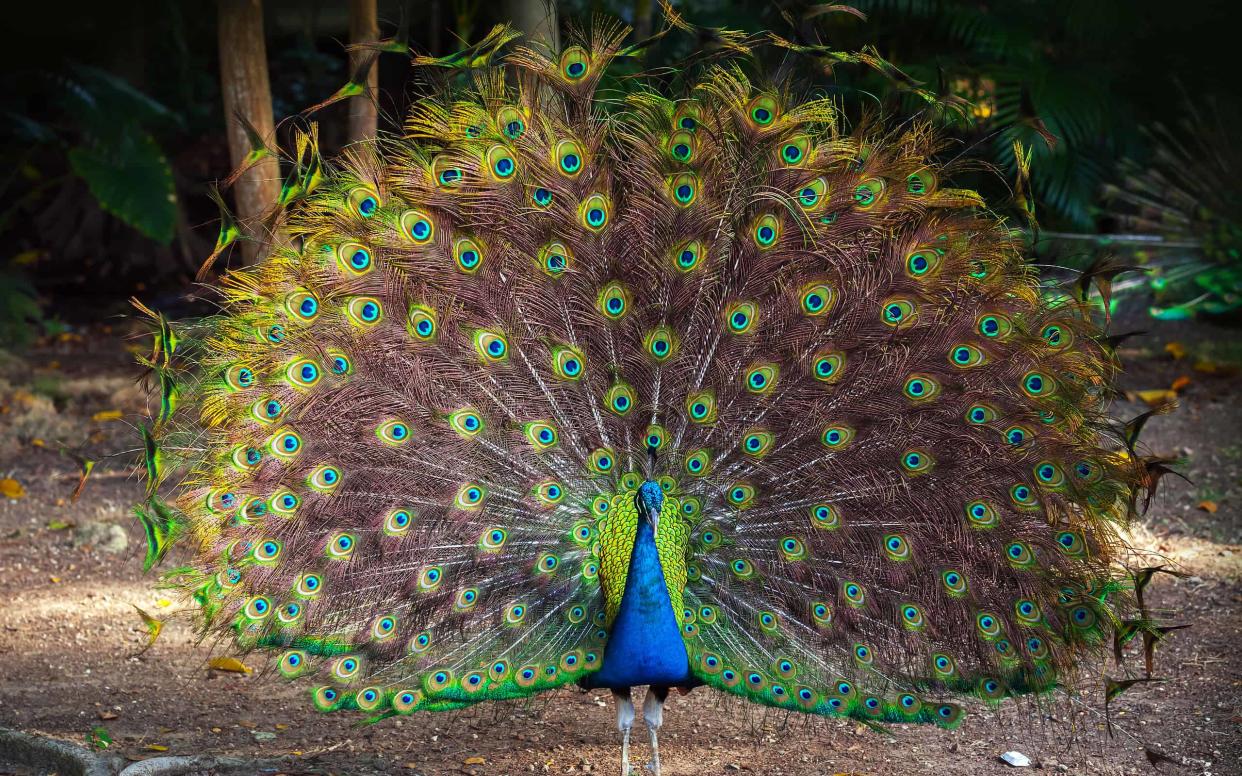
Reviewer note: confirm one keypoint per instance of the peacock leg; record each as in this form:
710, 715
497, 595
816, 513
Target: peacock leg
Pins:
653, 717
625, 721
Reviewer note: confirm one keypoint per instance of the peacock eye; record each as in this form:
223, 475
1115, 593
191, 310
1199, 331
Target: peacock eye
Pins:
511, 121
689, 256
916, 462
554, 258
766, 230
701, 407
817, 298
813, 193
364, 202
922, 263
500, 161
309, 585
898, 312
981, 514
575, 63
418, 225
422, 322
302, 305
762, 378
285, 444
660, 343
470, 497
826, 367
836, 437
303, 373
681, 146
994, 326
613, 301
921, 388
594, 212
354, 258
1038, 384
468, 255
492, 346
568, 157
741, 317
447, 174
920, 183
867, 193
762, 111
467, 423
541, 197
393, 433
541, 435
684, 188
239, 377
568, 363
365, 311
601, 460
796, 151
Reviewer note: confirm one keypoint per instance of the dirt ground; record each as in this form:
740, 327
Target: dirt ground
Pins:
70, 576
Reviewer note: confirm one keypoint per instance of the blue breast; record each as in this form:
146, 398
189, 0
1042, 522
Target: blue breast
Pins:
645, 644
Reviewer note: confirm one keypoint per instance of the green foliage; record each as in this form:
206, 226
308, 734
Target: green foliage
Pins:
20, 314
132, 180
114, 153
102, 126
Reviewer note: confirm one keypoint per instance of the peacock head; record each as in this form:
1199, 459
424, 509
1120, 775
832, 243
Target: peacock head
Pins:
650, 502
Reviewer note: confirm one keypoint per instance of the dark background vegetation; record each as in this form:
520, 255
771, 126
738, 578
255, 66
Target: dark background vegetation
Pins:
112, 125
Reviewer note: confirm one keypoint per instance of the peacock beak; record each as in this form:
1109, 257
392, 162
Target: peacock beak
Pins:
653, 517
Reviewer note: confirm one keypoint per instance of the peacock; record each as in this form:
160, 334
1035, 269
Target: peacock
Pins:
563, 386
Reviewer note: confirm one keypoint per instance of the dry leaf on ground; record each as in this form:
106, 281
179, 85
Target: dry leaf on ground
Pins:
230, 664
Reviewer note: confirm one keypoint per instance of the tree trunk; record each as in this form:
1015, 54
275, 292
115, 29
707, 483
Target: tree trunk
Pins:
642, 19
247, 92
536, 18
363, 28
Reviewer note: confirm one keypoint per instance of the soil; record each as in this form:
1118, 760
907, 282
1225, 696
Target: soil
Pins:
71, 640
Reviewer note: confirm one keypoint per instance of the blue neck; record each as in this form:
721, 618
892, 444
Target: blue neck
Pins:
645, 645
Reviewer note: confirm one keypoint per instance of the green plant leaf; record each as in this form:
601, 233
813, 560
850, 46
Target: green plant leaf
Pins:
133, 181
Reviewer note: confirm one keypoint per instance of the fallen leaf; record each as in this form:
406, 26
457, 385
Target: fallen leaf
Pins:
1175, 349
249, 725
476, 760
1180, 383
230, 664
11, 488
1205, 366
163, 603
1208, 506
106, 415
1156, 397
58, 525
55, 580
156, 748
216, 730
38, 442
281, 726
107, 715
